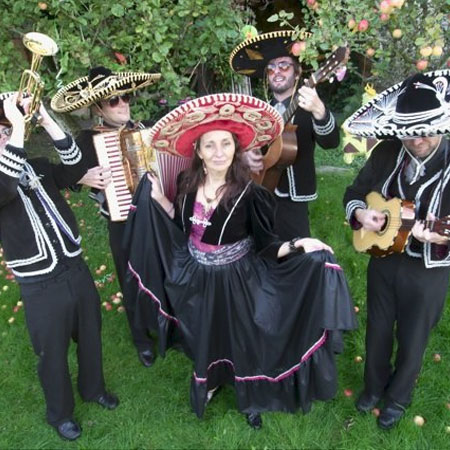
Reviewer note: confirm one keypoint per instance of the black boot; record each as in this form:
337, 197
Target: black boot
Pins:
254, 420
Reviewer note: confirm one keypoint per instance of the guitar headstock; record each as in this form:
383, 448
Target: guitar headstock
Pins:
326, 70
442, 226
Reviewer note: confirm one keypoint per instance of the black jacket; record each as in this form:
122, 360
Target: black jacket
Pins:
298, 181
252, 214
37, 227
384, 172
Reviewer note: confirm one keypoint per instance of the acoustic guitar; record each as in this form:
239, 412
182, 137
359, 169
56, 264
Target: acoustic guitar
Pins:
283, 150
395, 234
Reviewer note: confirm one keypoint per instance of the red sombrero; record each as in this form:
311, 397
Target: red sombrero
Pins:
253, 121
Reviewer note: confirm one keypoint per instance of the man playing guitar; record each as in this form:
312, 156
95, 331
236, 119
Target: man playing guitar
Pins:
405, 290
315, 123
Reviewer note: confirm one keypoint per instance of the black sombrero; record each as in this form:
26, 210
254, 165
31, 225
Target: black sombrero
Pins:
251, 56
419, 106
100, 84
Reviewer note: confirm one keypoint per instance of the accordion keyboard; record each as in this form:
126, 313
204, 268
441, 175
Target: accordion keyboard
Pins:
117, 192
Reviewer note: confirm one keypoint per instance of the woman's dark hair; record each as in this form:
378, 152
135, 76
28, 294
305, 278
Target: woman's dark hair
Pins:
237, 177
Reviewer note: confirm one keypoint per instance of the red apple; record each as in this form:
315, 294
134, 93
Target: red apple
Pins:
421, 64
370, 52
384, 17
298, 47
363, 25
348, 392
351, 24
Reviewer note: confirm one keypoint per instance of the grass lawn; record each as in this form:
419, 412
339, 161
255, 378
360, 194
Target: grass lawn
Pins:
154, 410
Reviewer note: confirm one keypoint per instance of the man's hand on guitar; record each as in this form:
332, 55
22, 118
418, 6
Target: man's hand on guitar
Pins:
97, 177
254, 159
309, 100
370, 219
425, 235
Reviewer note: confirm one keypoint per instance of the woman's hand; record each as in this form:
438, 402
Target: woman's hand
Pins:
312, 245
307, 244
158, 195
97, 177
157, 192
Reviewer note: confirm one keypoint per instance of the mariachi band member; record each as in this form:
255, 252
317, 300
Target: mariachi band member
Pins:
253, 311
405, 291
41, 244
108, 95
269, 56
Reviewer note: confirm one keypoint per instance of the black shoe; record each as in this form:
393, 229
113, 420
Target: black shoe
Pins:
69, 430
108, 401
366, 402
254, 420
390, 415
146, 357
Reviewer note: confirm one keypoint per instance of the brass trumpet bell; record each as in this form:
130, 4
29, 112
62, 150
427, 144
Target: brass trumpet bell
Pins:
31, 85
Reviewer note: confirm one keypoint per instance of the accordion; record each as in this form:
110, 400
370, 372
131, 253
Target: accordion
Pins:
129, 157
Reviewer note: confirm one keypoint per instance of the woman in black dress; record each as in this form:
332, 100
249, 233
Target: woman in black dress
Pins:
250, 310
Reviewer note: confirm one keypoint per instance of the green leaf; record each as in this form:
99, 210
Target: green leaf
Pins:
117, 10
273, 18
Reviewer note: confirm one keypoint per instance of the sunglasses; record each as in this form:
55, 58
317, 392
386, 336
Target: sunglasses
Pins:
6, 132
114, 101
282, 66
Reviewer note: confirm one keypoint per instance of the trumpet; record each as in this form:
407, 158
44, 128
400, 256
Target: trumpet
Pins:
31, 84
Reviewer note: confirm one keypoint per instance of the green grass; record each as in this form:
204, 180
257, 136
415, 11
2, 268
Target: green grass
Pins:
154, 410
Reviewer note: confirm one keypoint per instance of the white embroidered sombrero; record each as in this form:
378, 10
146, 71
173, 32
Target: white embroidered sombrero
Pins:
3, 120
253, 121
419, 106
100, 84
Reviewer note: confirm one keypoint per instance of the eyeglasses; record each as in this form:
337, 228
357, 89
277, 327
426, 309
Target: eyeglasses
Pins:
6, 132
282, 66
114, 101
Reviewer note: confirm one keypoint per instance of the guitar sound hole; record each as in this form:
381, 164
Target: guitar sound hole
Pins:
386, 223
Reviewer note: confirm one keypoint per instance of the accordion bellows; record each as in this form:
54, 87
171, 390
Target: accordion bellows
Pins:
129, 156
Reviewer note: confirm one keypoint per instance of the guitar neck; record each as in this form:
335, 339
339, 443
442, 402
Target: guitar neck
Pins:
292, 108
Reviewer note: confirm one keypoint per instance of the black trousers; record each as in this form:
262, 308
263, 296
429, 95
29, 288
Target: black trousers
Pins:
292, 219
403, 294
139, 333
56, 310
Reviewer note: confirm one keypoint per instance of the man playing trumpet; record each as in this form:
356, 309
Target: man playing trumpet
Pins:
59, 295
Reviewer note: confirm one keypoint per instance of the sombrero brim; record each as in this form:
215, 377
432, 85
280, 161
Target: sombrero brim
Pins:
377, 118
253, 121
80, 93
3, 120
251, 56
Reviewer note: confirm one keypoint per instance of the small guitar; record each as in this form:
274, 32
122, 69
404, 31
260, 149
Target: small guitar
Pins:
283, 151
393, 237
